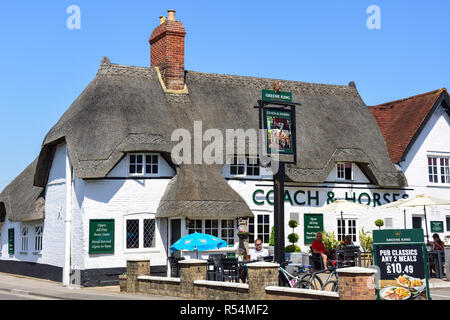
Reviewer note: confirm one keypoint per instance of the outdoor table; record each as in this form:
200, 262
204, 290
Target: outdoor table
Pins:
436, 257
341, 252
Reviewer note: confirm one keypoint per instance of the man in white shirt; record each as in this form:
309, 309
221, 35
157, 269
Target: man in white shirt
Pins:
259, 251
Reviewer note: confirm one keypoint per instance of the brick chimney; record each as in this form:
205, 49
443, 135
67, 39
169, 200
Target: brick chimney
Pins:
167, 51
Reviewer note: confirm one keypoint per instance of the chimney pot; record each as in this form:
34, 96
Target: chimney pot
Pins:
171, 15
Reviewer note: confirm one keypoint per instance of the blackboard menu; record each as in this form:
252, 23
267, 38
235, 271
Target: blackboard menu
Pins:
401, 258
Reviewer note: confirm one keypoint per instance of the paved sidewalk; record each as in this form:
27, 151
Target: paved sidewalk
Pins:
45, 289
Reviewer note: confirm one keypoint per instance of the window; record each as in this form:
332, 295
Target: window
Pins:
140, 232
39, 230
194, 226
224, 229
438, 169
24, 233
344, 171
417, 222
212, 227
260, 229
141, 164
388, 222
227, 231
237, 167
248, 166
252, 166
346, 227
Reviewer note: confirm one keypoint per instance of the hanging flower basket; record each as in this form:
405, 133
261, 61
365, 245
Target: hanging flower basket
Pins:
243, 235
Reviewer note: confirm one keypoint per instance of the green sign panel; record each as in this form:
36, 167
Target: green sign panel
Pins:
280, 137
437, 226
401, 258
313, 223
11, 241
271, 95
101, 236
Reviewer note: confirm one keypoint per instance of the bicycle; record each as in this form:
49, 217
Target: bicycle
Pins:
312, 280
285, 279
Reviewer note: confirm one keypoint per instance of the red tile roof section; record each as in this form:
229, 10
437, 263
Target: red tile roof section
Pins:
400, 120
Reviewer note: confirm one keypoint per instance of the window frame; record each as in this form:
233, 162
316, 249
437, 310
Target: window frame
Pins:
38, 238
24, 239
144, 164
343, 171
204, 229
255, 224
243, 161
140, 217
346, 227
438, 171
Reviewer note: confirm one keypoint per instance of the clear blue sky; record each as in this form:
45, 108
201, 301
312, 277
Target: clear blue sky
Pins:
45, 66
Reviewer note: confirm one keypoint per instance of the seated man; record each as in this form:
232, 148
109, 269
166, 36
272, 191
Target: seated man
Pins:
259, 251
319, 248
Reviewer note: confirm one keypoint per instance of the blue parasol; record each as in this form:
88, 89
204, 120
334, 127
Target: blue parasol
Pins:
198, 242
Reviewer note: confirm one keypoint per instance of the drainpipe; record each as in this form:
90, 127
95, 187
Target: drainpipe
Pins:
68, 220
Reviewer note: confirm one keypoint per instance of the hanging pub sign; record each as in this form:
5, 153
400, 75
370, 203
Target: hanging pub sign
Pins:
401, 257
10, 241
279, 126
279, 96
101, 236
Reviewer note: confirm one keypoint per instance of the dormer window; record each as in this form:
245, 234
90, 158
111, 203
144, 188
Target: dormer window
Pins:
237, 167
344, 171
141, 164
245, 166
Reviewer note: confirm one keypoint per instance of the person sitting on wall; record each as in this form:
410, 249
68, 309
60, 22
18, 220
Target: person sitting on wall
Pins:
259, 252
319, 248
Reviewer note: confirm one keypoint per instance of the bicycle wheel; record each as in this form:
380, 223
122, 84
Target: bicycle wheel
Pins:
314, 283
331, 286
301, 284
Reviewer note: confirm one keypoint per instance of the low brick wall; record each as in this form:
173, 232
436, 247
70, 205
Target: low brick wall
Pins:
158, 286
216, 290
354, 284
281, 293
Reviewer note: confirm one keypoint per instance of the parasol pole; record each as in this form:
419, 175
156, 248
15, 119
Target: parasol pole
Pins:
426, 223
404, 216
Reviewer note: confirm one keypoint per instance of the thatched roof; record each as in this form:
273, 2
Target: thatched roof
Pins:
125, 109
21, 200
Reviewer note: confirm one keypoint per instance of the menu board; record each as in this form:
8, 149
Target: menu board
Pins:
401, 258
101, 236
313, 223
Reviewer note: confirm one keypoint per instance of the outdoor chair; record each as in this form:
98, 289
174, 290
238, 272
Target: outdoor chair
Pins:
316, 261
229, 269
353, 254
174, 267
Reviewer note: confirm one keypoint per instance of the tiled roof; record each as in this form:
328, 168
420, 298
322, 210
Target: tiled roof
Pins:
400, 120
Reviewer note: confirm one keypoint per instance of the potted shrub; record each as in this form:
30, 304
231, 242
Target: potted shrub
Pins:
379, 223
123, 282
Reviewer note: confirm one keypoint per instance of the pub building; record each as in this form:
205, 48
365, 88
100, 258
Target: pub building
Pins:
104, 188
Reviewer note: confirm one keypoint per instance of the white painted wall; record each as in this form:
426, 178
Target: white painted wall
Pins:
433, 140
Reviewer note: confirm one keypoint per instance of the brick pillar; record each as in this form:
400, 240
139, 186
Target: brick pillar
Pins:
260, 276
190, 271
136, 268
356, 283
